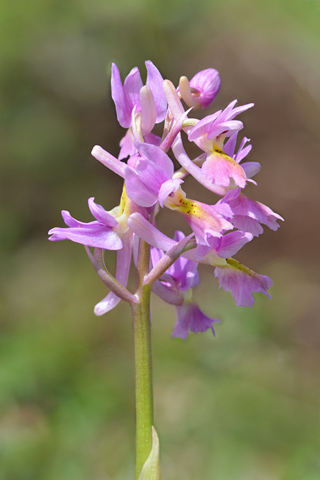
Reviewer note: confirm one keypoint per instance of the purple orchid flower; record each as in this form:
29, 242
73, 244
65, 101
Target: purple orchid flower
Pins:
234, 277
218, 168
219, 231
175, 287
205, 220
108, 232
101, 233
127, 96
208, 131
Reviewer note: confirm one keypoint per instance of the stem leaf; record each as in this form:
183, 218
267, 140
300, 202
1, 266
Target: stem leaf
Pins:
151, 469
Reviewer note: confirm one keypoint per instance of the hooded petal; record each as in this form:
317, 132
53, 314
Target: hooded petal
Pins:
144, 182
158, 157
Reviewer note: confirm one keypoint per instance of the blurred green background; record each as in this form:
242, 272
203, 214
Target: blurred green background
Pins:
243, 405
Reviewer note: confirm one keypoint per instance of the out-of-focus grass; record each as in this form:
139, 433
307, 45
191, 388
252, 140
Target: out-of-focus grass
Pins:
244, 405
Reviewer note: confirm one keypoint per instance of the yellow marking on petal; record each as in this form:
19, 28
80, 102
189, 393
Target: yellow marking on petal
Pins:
122, 212
239, 266
178, 201
124, 199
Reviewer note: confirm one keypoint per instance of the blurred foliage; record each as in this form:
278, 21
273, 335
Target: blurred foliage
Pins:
244, 405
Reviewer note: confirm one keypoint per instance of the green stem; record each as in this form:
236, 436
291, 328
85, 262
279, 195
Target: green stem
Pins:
143, 364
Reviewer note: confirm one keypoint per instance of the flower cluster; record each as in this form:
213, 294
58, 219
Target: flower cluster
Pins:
151, 185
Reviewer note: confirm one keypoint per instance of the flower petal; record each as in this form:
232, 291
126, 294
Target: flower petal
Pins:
108, 160
241, 282
100, 214
170, 294
144, 182
167, 188
219, 168
122, 273
148, 110
155, 83
158, 157
190, 317
148, 232
231, 243
123, 109
93, 235
132, 86
251, 168
193, 169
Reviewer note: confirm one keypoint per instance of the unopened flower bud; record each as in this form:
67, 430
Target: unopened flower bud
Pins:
204, 87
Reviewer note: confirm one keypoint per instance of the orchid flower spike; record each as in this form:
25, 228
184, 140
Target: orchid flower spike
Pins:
152, 185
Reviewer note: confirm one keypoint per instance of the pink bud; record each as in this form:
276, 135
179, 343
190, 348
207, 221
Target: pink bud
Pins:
205, 86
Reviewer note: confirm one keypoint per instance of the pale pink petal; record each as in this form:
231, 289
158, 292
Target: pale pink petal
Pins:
155, 83
193, 169
148, 232
157, 156
219, 169
148, 110
108, 160
132, 86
